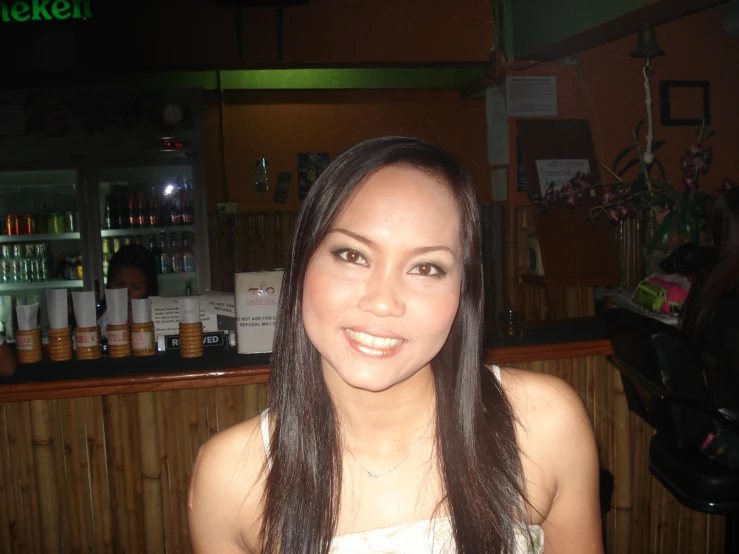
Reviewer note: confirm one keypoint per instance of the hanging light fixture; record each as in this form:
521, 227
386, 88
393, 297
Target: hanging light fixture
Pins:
647, 47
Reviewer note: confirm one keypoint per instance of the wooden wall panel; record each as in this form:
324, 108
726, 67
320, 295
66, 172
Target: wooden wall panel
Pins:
110, 473
645, 518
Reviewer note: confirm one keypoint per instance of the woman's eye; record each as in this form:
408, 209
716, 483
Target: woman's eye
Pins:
428, 270
351, 256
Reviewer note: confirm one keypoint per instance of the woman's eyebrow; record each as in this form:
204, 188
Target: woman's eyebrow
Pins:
372, 244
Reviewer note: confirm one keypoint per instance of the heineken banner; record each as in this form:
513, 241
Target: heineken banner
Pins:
23, 11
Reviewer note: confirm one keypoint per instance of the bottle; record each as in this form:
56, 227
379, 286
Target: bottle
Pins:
175, 253
108, 219
133, 211
187, 211
175, 211
154, 250
163, 254
188, 258
7, 264
123, 217
30, 263
116, 244
78, 269
188, 289
153, 209
126, 240
143, 213
17, 265
42, 258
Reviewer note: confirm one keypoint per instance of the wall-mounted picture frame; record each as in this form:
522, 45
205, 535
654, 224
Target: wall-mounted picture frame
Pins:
702, 109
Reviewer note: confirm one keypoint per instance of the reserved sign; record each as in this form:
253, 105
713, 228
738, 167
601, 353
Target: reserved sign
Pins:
22, 11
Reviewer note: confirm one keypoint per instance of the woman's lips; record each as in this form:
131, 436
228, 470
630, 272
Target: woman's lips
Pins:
373, 345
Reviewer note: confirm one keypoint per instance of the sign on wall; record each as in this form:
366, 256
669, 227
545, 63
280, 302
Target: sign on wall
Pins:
23, 11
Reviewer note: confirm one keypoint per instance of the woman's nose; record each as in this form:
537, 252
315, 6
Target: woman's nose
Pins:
383, 295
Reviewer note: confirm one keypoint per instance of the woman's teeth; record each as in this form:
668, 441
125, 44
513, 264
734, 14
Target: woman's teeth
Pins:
376, 343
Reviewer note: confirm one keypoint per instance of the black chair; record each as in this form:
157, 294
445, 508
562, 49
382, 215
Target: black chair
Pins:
663, 385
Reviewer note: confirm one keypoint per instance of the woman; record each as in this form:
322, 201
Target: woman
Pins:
132, 267
385, 433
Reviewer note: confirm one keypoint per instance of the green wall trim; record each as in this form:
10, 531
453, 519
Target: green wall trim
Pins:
435, 77
355, 78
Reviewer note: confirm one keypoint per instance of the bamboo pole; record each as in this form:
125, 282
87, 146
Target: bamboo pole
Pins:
7, 512
28, 483
250, 401
116, 475
150, 474
166, 459
132, 469
623, 492
43, 455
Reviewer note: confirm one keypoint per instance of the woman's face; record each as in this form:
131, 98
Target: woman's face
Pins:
130, 278
383, 288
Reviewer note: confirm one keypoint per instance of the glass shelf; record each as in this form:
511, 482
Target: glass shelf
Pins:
41, 285
146, 231
41, 237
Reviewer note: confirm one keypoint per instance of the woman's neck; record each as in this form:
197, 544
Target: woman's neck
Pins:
376, 425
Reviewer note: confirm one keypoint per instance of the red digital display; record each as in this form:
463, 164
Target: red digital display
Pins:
174, 144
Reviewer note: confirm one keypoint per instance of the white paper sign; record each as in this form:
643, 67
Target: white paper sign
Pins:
219, 303
559, 172
497, 124
165, 312
531, 96
257, 294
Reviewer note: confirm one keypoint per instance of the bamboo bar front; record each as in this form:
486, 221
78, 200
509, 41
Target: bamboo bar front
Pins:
109, 472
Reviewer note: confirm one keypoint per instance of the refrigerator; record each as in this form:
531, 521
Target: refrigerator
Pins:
70, 199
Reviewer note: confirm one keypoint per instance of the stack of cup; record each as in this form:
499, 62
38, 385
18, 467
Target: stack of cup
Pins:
191, 329
142, 329
87, 333
28, 335
119, 338
60, 337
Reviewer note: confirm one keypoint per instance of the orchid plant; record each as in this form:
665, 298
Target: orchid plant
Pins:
677, 212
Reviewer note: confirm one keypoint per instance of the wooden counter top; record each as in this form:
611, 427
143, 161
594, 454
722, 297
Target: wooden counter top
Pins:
47, 380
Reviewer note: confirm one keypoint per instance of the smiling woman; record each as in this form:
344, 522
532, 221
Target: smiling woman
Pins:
385, 432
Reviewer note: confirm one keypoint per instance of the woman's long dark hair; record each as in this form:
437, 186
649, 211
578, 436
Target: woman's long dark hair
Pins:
722, 274
478, 455
138, 257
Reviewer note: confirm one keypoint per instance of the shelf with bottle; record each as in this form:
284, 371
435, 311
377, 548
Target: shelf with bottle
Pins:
147, 205
39, 237
40, 285
108, 233
173, 250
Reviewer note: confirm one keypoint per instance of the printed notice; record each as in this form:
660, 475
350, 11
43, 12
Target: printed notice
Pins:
558, 172
531, 96
497, 124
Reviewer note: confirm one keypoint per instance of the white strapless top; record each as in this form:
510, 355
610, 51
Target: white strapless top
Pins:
430, 536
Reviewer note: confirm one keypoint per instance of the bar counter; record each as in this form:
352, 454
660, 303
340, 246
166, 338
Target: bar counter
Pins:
96, 456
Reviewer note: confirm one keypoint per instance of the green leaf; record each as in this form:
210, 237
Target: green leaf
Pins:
621, 155
628, 166
662, 234
657, 145
661, 169
693, 227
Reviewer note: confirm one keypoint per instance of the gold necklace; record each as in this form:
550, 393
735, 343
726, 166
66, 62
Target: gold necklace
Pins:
374, 475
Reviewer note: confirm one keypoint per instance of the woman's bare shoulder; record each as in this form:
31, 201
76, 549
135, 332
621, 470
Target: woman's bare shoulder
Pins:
226, 491
544, 403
